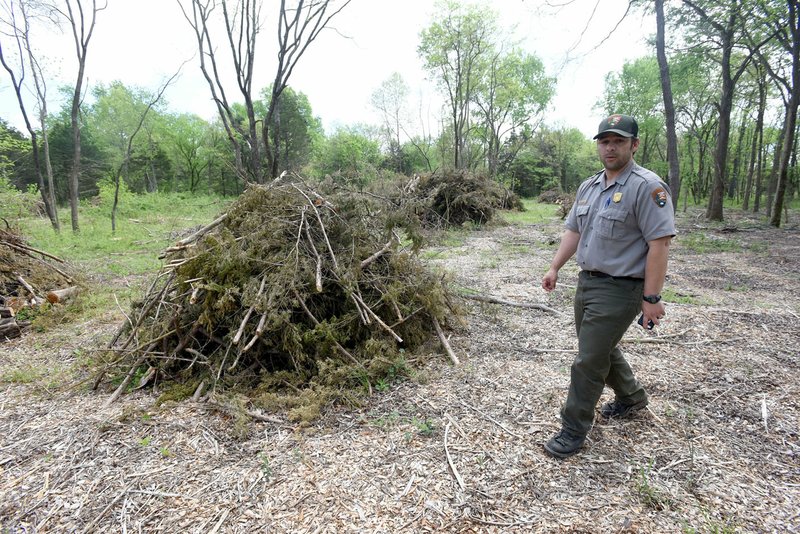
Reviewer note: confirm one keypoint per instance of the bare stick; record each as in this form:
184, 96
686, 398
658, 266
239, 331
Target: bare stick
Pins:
445, 343
492, 420
321, 226
22, 247
368, 310
199, 391
316, 255
495, 300
450, 460
125, 382
28, 287
239, 332
107, 508
183, 243
378, 254
364, 317
254, 415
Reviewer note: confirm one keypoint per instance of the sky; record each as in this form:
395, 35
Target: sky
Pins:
143, 43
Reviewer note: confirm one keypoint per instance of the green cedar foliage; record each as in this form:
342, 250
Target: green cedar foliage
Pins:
296, 299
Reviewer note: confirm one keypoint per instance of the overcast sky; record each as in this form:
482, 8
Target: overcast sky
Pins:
143, 42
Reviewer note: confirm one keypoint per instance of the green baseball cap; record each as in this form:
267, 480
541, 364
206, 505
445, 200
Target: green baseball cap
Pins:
623, 125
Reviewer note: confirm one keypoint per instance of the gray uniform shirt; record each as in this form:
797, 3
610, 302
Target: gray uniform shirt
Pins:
616, 222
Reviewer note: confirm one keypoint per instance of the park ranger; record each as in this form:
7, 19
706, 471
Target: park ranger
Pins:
620, 226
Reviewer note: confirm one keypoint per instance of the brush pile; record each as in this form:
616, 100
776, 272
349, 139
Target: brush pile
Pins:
293, 298
29, 279
453, 198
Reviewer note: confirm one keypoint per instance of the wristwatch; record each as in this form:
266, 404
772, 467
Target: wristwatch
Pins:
652, 299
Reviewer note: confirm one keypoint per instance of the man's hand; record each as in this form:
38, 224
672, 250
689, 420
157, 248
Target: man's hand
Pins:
550, 279
653, 312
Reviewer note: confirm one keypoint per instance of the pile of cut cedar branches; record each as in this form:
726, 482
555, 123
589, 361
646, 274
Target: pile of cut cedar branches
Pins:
29, 279
294, 298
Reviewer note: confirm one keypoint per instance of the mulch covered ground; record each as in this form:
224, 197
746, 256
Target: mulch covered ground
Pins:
458, 449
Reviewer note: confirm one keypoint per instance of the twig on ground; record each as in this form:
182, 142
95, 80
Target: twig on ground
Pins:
527, 305
445, 343
456, 474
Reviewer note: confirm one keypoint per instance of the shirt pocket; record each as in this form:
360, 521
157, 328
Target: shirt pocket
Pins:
611, 223
581, 216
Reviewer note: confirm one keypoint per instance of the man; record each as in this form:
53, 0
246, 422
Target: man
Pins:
620, 225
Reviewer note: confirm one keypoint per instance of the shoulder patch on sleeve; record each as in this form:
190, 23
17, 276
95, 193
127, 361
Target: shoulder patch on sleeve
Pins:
659, 195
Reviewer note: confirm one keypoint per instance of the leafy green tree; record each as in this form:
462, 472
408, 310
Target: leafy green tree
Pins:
390, 100
351, 155
295, 129
512, 93
112, 120
551, 160
93, 167
14, 153
455, 49
720, 28
188, 140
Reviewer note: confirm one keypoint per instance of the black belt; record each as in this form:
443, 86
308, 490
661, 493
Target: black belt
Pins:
600, 274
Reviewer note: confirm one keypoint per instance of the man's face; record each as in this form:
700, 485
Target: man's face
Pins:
616, 151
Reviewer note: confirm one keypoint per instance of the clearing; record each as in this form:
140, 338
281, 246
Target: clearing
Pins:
458, 449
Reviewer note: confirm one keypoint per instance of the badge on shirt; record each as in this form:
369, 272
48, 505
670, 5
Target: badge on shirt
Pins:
617, 197
660, 197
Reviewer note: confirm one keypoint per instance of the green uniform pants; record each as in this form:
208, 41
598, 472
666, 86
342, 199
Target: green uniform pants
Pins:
604, 309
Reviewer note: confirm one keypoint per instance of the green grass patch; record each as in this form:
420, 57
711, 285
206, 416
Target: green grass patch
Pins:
535, 213
26, 375
704, 243
97, 257
670, 295
145, 226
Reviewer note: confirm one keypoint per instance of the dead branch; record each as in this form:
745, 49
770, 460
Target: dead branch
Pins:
183, 243
445, 343
495, 300
456, 474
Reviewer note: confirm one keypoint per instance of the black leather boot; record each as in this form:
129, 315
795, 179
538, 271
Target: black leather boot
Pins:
564, 444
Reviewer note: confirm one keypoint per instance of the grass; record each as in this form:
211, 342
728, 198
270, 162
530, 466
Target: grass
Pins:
535, 213
703, 243
147, 225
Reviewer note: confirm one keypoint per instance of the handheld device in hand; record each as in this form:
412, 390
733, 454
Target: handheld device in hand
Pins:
650, 323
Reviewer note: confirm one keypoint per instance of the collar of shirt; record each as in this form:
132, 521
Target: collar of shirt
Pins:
622, 177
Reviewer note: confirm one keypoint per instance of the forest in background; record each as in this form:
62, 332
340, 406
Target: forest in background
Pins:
725, 88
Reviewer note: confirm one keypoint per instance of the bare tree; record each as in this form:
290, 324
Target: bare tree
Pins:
390, 100
19, 31
298, 26
82, 24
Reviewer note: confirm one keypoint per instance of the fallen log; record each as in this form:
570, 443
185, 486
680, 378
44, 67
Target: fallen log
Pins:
10, 328
61, 295
5, 312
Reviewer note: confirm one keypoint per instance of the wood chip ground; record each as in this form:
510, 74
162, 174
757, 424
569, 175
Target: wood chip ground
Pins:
717, 451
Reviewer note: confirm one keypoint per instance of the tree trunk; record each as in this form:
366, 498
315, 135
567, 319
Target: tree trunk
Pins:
674, 173
757, 139
791, 117
715, 202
